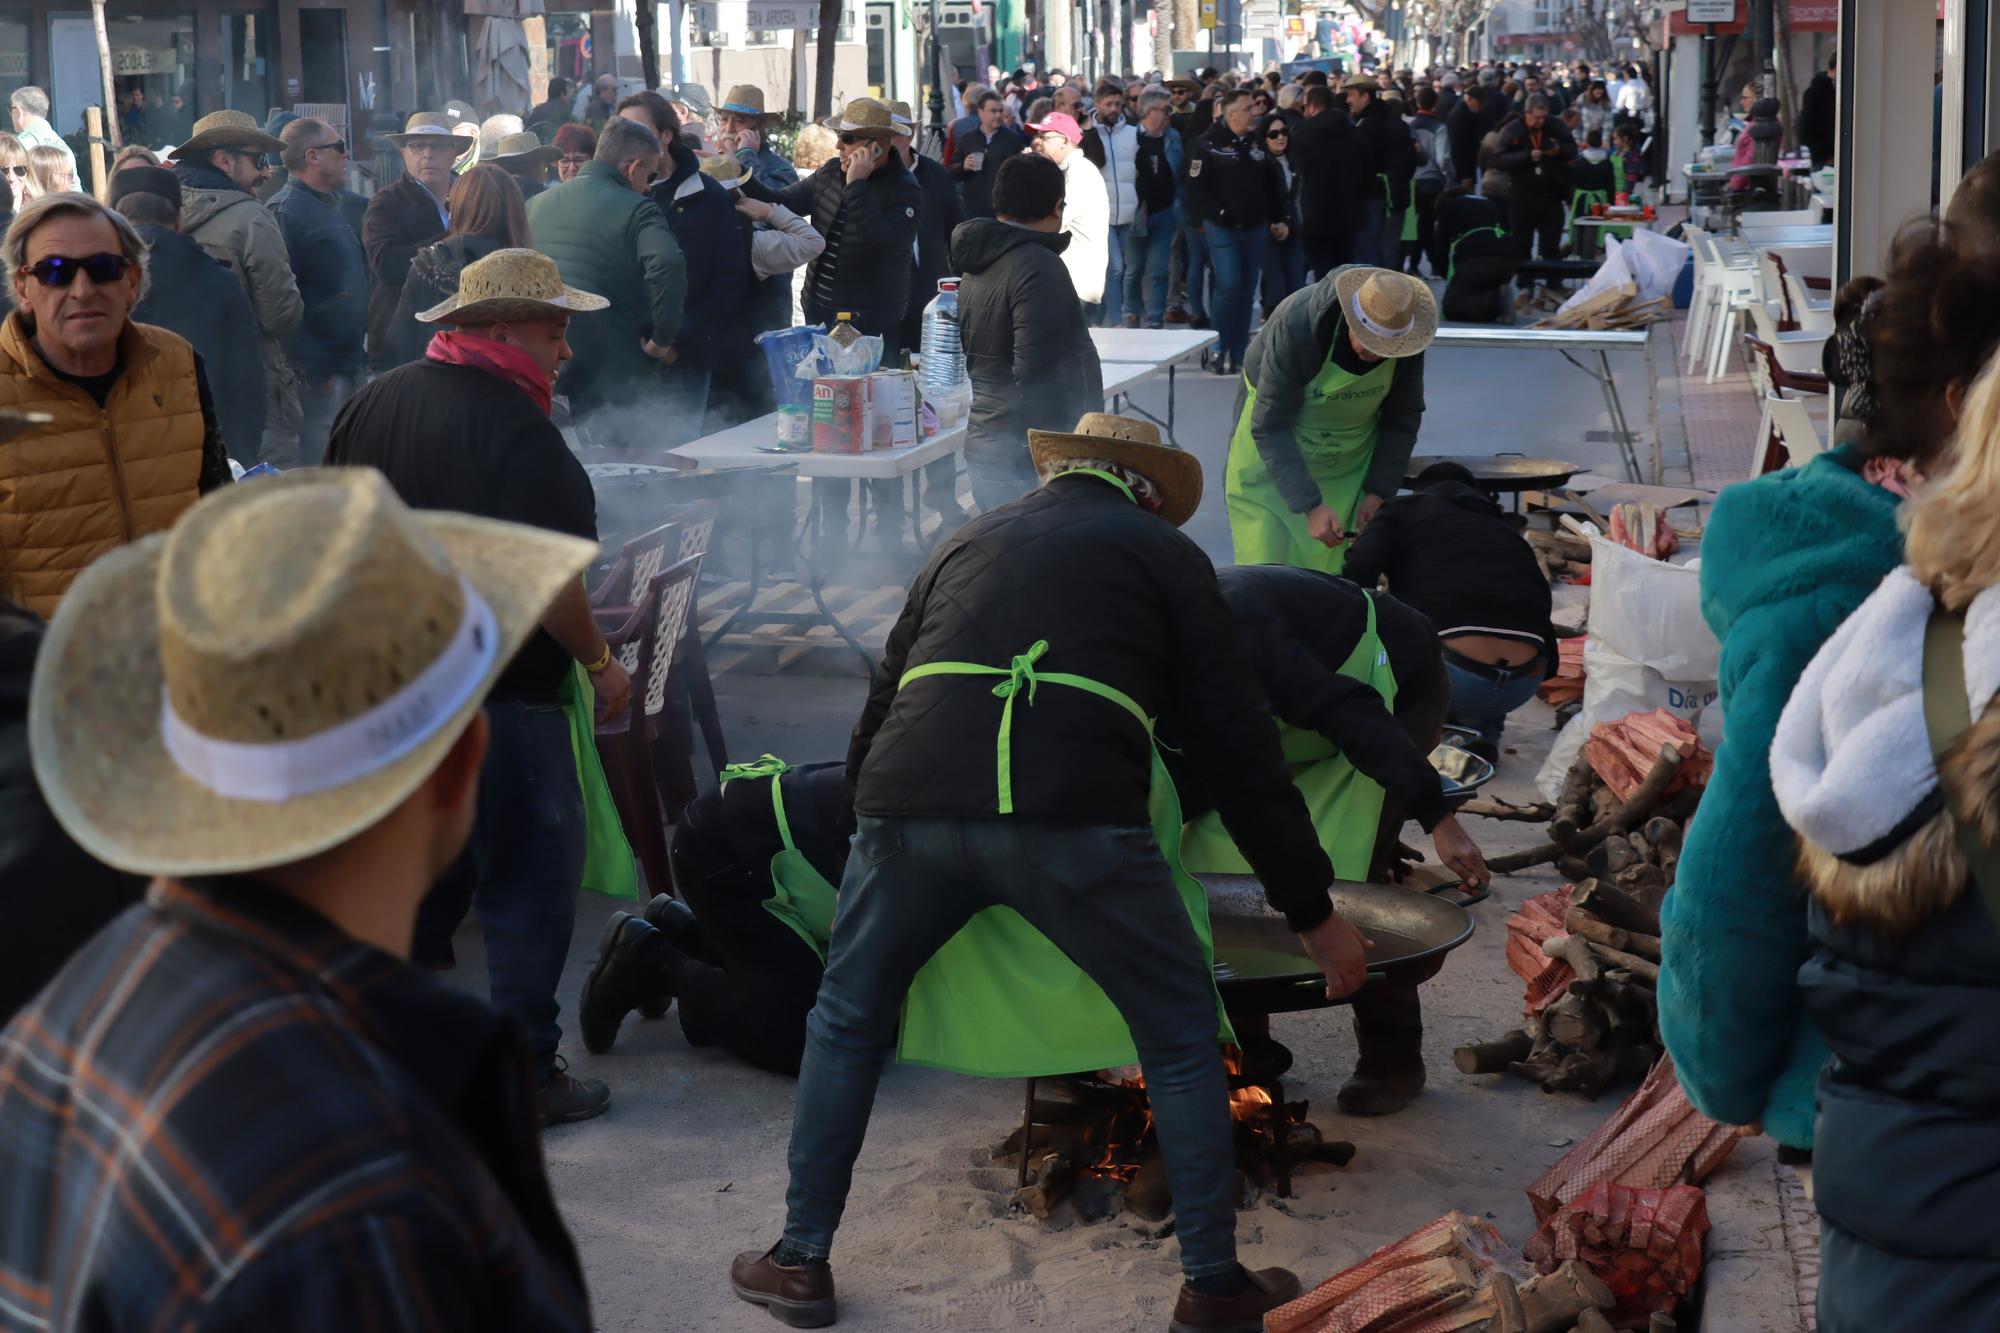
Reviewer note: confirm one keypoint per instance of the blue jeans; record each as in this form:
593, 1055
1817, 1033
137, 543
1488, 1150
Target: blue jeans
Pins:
1481, 698
999, 481
520, 870
1238, 257
1108, 312
1146, 261
1371, 244
1284, 269
1194, 297
1104, 897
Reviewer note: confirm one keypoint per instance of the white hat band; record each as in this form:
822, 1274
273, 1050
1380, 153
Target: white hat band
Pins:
1380, 330
276, 771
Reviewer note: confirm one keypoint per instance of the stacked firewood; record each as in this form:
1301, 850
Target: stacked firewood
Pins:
1591, 1013
1561, 554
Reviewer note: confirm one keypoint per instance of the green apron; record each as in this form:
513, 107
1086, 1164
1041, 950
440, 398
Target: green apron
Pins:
800, 896
1409, 229
1335, 430
1346, 807
1451, 259
607, 860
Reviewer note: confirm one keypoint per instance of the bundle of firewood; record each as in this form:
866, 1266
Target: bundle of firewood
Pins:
1613, 308
1643, 526
1645, 1245
1566, 686
1621, 753
1561, 554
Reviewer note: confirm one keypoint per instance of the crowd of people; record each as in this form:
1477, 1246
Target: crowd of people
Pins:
331, 714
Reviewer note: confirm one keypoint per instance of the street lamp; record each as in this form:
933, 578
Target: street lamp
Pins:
938, 126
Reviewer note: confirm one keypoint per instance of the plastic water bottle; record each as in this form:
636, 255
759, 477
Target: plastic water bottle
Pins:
943, 356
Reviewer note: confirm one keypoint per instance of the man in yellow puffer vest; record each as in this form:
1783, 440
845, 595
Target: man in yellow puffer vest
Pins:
132, 441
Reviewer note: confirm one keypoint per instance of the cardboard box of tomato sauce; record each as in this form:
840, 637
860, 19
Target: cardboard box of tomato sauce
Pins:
840, 420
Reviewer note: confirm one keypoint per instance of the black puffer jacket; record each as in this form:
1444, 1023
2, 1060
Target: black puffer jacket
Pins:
1027, 347
1388, 149
936, 222
869, 227
192, 293
1122, 598
333, 281
1515, 155
1231, 181
1334, 192
715, 238
432, 280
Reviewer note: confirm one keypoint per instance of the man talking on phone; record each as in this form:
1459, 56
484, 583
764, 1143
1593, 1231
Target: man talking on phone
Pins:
867, 205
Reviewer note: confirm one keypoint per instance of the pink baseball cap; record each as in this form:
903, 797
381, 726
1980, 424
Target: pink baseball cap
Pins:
1059, 122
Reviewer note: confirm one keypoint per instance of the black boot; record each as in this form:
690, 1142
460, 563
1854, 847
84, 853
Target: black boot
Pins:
627, 973
675, 920
1389, 1030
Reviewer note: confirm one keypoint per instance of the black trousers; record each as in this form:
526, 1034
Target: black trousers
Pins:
1477, 292
1535, 214
753, 988
1424, 195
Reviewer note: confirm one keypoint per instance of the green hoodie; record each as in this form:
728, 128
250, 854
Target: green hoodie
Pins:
1786, 558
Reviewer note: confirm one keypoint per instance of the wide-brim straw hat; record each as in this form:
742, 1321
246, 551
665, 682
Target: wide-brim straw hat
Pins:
226, 129
724, 170
747, 99
1182, 86
508, 285
864, 116
311, 690
424, 125
905, 119
525, 149
1131, 443
1392, 314
1360, 83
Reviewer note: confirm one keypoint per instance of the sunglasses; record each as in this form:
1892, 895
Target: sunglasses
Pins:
61, 270
20, 170
256, 159
849, 140
337, 146
1278, 134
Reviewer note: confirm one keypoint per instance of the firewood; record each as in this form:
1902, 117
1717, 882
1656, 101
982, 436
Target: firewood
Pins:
1579, 921
1591, 1321
1053, 1174
1493, 1057
1664, 835
1648, 795
1618, 854
1508, 1316
1554, 1302
1576, 1022
1577, 953
1570, 868
1662, 1322
1629, 910
1496, 809
1637, 966
1640, 846
1621, 996
1570, 814
1149, 1195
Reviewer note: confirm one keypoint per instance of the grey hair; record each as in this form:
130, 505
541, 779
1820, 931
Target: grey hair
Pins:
1539, 102
625, 141
1141, 484
31, 100
1148, 101
1289, 95
14, 250
295, 152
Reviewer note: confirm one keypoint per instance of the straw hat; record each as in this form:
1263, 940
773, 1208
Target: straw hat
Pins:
194, 715
511, 284
1182, 86
423, 125
724, 170
747, 99
1392, 314
899, 112
1133, 443
226, 129
864, 116
1360, 83
525, 149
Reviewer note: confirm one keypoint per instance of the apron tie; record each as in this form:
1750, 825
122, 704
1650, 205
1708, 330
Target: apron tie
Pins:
1021, 671
769, 766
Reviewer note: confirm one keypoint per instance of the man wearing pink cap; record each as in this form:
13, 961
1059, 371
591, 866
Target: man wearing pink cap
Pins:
1086, 207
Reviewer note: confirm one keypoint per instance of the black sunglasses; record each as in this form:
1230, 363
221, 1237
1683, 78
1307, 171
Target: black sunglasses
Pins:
1277, 134
20, 170
337, 146
256, 158
61, 270
849, 140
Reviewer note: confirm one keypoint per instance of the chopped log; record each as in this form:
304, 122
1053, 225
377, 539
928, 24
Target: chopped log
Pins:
1554, 1301
1623, 997
1571, 868
1665, 769
1643, 848
1572, 811
1497, 809
1637, 966
1592, 1321
1648, 882
1493, 1057
1617, 906
1580, 921
1149, 1195
1618, 854
1576, 1022
1053, 1173
1508, 1316
1662, 1322
1665, 836
1577, 953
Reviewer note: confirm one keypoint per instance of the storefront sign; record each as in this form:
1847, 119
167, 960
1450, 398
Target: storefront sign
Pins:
756, 16
130, 60
1711, 11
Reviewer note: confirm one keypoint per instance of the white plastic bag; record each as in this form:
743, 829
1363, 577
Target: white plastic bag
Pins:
1614, 685
1611, 273
1654, 260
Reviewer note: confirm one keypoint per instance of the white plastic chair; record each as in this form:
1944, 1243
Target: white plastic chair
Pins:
1813, 310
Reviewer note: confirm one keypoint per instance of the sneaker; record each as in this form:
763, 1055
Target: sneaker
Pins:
1267, 1289
562, 1100
619, 980
800, 1297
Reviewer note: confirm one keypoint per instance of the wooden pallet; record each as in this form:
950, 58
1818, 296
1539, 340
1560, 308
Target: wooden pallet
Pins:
764, 650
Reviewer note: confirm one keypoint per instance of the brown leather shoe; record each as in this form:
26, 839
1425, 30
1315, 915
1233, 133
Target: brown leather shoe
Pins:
1196, 1312
799, 1297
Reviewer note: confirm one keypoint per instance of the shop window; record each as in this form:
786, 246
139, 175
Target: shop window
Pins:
323, 56
569, 46
152, 69
247, 48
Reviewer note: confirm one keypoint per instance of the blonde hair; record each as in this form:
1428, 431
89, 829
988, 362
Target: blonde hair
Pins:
1953, 528
13, 153
816, 146
49, 169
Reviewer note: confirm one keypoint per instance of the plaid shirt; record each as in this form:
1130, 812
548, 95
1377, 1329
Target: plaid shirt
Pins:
227, 1114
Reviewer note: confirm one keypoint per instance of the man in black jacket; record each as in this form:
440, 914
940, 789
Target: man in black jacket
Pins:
332, 274
1236, 191
1391, 160
1080, 577
979, 149
1298, 627
1535, 151
405, 216
1464, 128
1333, 199
1450, 551
1819, 106
191, 293
1027, 346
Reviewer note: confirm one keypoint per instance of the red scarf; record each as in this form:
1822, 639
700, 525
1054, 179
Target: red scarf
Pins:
458, 347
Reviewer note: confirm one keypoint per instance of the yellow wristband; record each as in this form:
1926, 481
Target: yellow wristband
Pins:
602, 662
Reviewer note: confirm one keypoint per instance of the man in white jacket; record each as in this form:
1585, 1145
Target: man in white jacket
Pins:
1112, 145
1086, 208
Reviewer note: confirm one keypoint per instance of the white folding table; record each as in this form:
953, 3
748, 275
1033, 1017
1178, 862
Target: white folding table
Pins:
1161, 349
1597, 343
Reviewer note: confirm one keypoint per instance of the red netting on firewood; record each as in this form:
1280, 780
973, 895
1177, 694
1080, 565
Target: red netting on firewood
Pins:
1622, 752
1654, 1139
1539, 918
1644, 1244
1420, 1284
1567, 683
